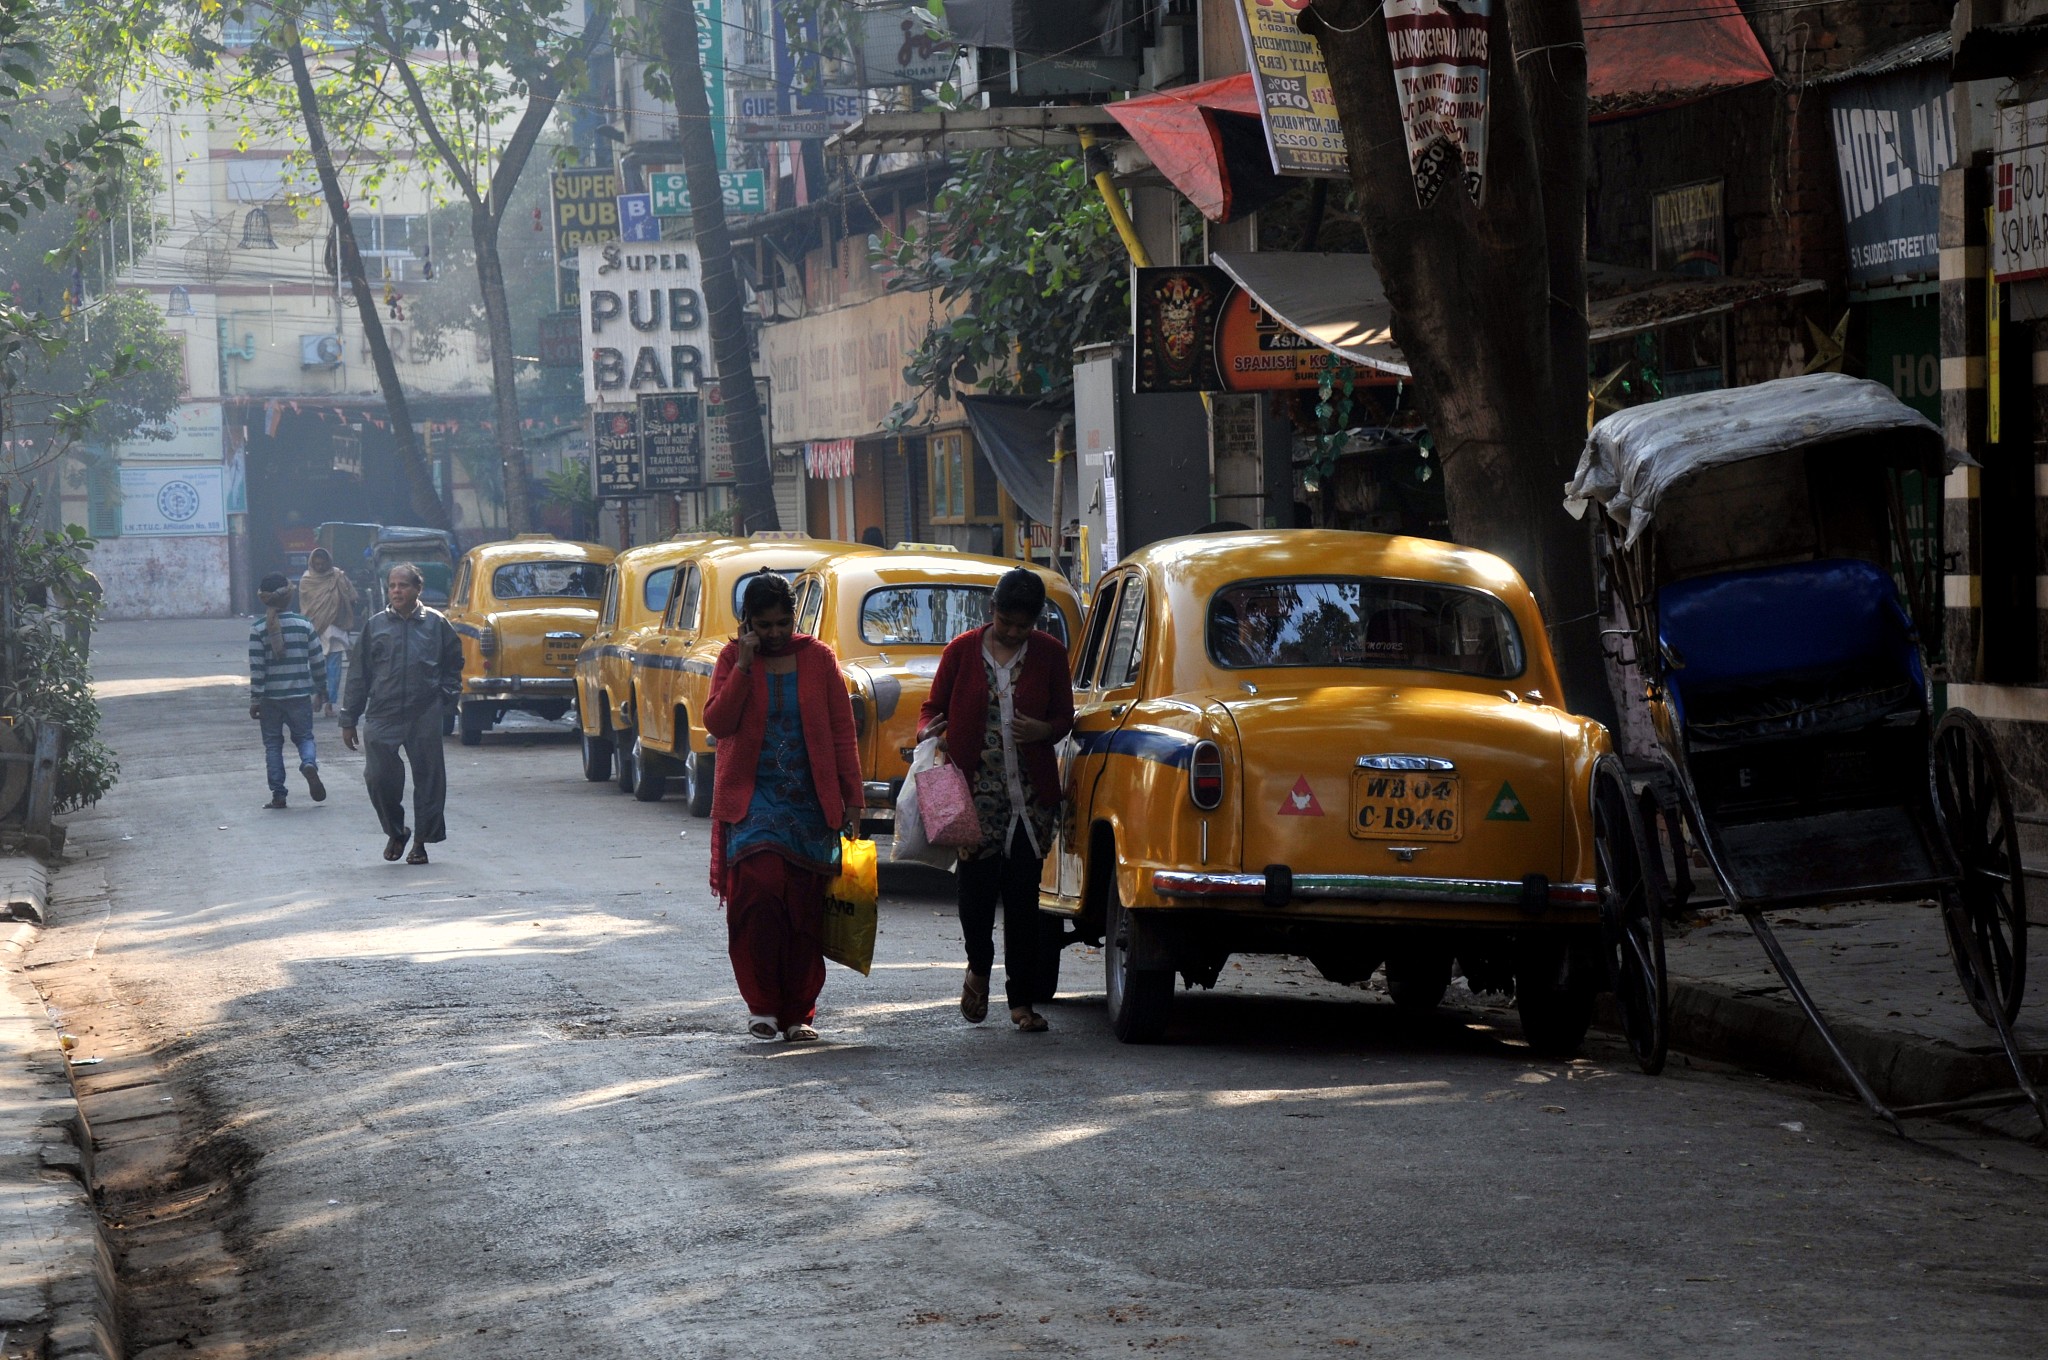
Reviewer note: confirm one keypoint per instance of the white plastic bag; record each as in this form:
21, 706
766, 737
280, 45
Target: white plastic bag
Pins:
911, 847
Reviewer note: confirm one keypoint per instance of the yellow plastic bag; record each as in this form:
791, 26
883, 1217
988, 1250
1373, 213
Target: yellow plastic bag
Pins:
850, 916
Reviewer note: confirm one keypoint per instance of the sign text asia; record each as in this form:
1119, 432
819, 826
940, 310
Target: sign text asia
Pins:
643, 320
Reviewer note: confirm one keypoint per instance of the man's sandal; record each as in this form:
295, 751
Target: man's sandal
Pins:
1028, 1021
395, 846
974, 998
419, 853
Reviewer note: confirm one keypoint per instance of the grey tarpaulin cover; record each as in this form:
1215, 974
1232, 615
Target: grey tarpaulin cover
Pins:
1636, 456
1016, 436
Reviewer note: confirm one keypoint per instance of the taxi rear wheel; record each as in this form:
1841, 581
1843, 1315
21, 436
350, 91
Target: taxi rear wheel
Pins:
474, 722
1554, 994
622, 768
1418, 976
1140, 999
649, 783
698, 774
597, 758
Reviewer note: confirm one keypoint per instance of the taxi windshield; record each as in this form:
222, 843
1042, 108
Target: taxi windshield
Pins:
932, 616
548, 580
1363, 621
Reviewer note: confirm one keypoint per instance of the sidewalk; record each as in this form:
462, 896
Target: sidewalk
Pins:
56, 1275
1881, 975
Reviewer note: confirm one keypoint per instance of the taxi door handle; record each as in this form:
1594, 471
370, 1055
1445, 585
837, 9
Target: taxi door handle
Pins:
1117, 710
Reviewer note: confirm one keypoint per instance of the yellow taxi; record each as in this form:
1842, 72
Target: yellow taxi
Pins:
523, 608
661, 732
888, 616
1348, 747
636, 594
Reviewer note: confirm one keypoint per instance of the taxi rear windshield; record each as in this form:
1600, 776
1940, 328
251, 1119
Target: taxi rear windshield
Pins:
1363, 621
916, 616
548, 580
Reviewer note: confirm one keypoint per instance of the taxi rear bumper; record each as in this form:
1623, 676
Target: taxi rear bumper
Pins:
1534, 893
517, 686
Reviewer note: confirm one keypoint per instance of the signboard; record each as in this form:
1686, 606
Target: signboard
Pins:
637, 222
561, 340
711, 61
901, 47
718, 468
586, 205
173, 502
838, 373
2019, 193
745, 192
1894, 135
1197, 331
616, 465
1440, 50
190, 433
672, 442
643, 320
1044, 77
1686, 229
1295, 104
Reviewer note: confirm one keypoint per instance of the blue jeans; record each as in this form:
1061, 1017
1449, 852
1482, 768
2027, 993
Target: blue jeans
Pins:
337, 659
277, 715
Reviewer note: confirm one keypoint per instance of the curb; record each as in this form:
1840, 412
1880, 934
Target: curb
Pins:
52, 1174
1774, 1036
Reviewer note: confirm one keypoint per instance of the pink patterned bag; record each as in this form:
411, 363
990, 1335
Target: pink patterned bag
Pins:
946, 807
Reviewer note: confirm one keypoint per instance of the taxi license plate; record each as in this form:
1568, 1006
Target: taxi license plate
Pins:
560, 656
1409, 807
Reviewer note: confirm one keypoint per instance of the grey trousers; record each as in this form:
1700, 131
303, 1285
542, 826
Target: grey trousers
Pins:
420, 741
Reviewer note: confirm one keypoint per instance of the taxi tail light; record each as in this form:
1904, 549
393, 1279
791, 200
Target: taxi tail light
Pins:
1205, 776
487, 640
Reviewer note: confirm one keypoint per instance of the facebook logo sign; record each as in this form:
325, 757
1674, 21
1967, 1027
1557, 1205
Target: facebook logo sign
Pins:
637, 221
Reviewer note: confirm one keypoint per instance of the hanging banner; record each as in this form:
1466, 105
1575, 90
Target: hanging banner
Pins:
164, 502
672, 442
1295, 104
586, 214
1440, 71
1894, 135
1687, 230
615, 462
643, 320
901, 47
711, 61
1195, 330
825, 459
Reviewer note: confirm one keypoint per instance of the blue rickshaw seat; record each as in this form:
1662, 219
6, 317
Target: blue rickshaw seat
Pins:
1800, 649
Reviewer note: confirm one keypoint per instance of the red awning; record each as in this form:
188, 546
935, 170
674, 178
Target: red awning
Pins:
1641, 55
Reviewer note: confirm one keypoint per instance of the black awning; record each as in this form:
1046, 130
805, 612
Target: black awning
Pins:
1015, 435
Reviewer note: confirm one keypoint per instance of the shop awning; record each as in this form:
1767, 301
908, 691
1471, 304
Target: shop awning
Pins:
1641, 55
1336, 301
1015, 435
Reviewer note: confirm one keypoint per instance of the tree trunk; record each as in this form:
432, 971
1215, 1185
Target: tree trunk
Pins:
426, 503
1489, 300
490, 277
724, 307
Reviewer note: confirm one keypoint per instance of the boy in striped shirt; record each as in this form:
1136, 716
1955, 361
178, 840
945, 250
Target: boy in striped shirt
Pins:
284, 653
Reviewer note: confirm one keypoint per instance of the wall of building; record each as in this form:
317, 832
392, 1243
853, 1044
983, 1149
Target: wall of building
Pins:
164, 578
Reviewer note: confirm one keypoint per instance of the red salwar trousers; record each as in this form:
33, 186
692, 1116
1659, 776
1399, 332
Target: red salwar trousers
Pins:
775, 924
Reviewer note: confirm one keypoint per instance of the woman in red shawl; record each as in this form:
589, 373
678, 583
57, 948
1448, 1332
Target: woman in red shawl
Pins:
787, 782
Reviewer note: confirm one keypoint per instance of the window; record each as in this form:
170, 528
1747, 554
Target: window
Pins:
548, 580
610, 614
1098, 629
683, 618
1126, 658
1363, 621
739, 587
460, 595
810, 603
654, 592
932, 616
395, 246
948, 457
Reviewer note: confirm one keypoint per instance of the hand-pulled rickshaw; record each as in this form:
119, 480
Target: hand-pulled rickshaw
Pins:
1753, 536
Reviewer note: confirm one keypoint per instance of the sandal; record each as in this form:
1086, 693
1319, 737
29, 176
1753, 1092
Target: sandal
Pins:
974, 998
800, 1034
395, 846
1028, 1021
419, 853
761, 1027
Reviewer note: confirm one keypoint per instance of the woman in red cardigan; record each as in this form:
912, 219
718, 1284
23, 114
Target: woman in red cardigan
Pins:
1001, 699
787, 782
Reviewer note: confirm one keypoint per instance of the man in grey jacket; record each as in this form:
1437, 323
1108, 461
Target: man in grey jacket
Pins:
404, 675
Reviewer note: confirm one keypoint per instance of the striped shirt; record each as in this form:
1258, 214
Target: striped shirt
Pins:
291, 678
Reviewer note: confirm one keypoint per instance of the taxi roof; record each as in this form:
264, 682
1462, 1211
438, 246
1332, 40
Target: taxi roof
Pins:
538, 547
895, 567
1202, 562
650, 556
749, 554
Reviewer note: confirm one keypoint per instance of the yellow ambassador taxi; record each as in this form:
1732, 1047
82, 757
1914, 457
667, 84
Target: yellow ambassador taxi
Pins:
662, 732
888, 616
636, 595
523, 608
1349, 747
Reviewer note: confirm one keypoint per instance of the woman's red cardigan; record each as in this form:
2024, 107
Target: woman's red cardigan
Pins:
736, 716
1044, 690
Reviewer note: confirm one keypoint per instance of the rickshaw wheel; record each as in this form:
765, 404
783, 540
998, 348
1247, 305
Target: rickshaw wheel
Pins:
1631, 917
1990, 902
